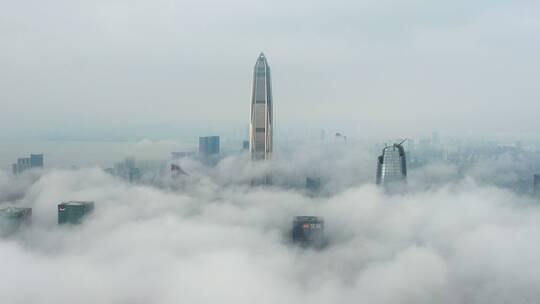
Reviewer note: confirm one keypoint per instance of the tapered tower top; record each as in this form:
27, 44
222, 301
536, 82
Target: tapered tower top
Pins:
261, 119
261, 60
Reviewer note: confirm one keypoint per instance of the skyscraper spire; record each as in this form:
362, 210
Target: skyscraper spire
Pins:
261, 119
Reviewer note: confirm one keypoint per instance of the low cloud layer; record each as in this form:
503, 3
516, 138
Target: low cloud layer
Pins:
208, 241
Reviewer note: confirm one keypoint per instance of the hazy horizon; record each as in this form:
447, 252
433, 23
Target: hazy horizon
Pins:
136, 69
107, 89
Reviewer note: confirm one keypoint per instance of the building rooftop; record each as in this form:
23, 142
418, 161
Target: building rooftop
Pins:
77, 203
308, 219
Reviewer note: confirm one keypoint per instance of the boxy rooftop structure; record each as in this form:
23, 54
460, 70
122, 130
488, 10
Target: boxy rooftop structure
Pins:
73, 212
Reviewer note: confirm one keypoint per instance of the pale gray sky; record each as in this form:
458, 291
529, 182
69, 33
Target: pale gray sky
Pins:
394, 68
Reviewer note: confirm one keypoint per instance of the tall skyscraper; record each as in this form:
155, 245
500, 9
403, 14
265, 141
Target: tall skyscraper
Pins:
392, 165
261, 119
208, 145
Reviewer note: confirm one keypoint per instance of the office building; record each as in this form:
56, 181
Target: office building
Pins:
12, 218
73, 212
392, 165
308, 231
261, 119
36, 160
208, 146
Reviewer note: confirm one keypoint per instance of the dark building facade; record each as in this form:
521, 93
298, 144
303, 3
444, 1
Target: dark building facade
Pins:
308, 231
36, 160
73, 212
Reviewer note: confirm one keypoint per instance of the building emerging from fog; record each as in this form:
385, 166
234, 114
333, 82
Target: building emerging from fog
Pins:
35, 161
308, 231
261, 120
208, 145
392, 165
73, 212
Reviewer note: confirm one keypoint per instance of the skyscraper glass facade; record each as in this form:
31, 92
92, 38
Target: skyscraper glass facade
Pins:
261, 121
392, 165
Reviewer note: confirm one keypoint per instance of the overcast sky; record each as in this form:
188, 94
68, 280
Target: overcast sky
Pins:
394, 68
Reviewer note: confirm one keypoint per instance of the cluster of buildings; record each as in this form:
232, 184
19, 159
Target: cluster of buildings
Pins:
391, 169
511, 166
14, 218
35, 161
307, 231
